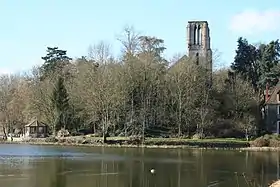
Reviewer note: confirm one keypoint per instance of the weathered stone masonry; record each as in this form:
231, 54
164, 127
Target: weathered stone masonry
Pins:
198, 41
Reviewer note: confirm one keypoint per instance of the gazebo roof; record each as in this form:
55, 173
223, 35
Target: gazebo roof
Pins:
36, 123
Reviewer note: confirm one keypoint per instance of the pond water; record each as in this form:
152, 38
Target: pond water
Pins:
51, 166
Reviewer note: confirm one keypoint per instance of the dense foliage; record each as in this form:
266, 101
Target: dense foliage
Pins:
141, 93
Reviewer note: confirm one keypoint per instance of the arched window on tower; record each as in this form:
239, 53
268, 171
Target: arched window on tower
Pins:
197, 58
194, 34
198, 33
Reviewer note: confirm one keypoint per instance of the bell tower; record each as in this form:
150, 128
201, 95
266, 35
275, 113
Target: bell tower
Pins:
198, 41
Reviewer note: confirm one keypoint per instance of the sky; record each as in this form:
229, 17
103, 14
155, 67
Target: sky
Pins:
28, 27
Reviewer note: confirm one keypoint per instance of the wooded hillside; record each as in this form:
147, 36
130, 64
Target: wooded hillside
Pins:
139, 94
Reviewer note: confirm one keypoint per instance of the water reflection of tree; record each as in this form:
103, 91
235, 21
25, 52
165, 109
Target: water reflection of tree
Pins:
134, 176
59, 176
265, 163
104, 178
179, 168
191, 167
176, 168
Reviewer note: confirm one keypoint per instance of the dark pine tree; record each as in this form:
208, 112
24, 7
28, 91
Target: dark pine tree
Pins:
55, 61
260, 66
60, 101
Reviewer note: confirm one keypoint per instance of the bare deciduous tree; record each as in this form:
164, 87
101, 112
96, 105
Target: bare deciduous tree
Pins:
100, 52
129, 39
181, 86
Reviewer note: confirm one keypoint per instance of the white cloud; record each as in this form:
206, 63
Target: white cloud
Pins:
18, 68
5, 71
255, 22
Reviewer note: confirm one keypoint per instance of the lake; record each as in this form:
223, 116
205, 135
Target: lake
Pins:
54, 166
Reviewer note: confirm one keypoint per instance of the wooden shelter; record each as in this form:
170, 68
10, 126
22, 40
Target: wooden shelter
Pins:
36, 129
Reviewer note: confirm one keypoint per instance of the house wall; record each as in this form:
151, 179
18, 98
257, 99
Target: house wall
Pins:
35, 132
272, 117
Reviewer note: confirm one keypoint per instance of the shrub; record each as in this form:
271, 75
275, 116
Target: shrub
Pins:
135, 140
274, 143
260, 142
272, 136
198, 136
63, 133
61, 140
51, 139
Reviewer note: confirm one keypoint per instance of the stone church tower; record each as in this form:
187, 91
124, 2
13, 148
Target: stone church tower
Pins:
198, 40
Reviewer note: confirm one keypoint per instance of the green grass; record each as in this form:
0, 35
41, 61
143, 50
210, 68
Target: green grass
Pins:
198, 140
218, 140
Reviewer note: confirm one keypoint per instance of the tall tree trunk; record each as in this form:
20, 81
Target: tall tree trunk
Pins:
105, 125
180, 116
5, 133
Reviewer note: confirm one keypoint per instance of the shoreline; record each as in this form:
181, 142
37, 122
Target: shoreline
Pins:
159, 144
125, 146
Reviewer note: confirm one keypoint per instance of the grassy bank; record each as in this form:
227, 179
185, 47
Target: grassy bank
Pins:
202, 143
149, 142
264, 143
